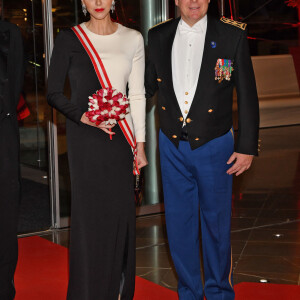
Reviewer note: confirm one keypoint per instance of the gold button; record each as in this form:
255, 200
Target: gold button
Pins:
197, 139
188, 120
186, 93
210, 111
163, 108
174, 136
186, 102
181, 119
159, 80
186, 111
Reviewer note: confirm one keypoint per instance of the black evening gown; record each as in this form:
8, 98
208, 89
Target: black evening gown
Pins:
102, 247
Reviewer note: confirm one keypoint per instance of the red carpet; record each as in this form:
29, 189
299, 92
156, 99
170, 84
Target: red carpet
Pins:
266, 291
42, 270
42, 274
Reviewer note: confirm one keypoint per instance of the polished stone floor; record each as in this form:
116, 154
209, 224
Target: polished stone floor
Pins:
265, 220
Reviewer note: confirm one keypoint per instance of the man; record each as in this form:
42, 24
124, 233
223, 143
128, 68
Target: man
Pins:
194, 62
11, 80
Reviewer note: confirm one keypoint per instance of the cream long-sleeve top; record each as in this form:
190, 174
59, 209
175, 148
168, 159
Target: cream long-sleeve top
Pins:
123, 56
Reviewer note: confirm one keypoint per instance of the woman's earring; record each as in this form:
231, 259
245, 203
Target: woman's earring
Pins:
84, 9
113, 6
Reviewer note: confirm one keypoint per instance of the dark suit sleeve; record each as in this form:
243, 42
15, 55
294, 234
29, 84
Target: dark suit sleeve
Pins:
19, 65
248, 108
1, 108
58, 70
150, 74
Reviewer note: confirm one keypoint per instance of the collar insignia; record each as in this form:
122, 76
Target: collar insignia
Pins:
234, 23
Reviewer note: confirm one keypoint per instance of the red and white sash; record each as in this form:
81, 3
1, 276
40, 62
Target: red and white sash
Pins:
105, 83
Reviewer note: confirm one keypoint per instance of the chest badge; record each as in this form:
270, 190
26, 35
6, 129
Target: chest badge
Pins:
213, 44
223, 69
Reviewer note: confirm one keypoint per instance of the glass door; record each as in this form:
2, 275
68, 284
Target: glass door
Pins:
33, 114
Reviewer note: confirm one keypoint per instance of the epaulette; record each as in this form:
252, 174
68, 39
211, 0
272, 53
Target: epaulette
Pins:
161, 23
234, 23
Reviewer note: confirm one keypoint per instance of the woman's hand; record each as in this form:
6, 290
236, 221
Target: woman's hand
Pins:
84, 119
141, 156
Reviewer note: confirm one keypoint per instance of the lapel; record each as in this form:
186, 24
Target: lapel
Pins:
208, 61
10, 72
167, 40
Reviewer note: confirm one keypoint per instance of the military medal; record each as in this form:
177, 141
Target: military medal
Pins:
223, 69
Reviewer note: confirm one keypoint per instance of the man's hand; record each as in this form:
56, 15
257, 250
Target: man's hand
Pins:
242, 163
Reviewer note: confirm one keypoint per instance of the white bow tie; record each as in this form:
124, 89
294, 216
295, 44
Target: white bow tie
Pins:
184, 29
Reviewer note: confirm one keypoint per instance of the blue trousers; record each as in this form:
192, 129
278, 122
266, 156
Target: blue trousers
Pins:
198, 189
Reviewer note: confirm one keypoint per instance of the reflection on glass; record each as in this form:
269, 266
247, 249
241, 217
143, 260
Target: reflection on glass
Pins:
272, 25
34, 113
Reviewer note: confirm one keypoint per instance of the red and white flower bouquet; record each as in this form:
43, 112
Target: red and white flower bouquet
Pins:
107, 105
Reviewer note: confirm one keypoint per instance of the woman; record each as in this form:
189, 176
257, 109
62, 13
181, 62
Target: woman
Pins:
102, 246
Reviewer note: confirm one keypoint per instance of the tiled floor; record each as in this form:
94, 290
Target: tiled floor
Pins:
265, 220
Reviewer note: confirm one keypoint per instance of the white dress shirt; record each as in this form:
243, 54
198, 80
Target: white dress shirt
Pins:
187, 53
